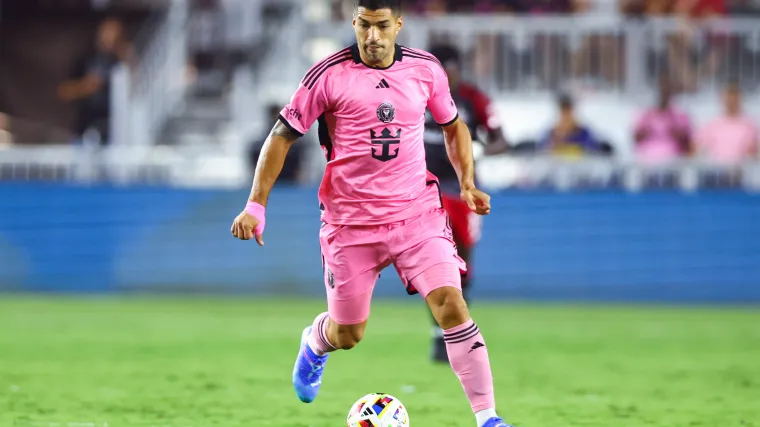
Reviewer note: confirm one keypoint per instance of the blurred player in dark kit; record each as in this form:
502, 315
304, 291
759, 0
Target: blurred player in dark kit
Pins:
477, 112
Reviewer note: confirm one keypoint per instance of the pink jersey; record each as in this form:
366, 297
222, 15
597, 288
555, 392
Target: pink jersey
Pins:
371, 122
728, 139
659, 127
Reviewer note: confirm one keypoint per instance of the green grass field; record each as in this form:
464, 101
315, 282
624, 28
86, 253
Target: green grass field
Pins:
222, 362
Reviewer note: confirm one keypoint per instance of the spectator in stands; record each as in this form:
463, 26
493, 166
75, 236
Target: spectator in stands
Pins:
647, 8
341, 9
601, 52
6, 138
89, 85
569, 137
500, 6
743, 7
694, 14
542, 7
732, 137
633, 8
663, 132
658, 7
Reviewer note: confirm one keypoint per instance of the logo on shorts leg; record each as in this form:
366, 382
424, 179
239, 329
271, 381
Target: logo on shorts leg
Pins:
330, 279
447, 232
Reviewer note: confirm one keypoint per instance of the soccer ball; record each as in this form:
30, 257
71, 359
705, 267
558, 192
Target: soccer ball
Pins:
378, 410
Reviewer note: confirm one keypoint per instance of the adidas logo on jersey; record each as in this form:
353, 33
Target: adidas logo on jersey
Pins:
383, 85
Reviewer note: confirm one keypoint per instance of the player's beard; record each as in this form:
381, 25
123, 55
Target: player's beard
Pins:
377, 55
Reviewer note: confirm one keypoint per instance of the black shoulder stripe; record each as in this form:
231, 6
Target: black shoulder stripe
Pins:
413, 55
313, 79
290, 127
314, 68
417, 52
323, 62
419, 55
435, 61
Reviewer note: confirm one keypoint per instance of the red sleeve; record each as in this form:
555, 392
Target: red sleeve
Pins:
485, 112
711, 7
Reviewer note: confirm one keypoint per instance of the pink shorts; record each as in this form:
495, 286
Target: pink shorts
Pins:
353, 256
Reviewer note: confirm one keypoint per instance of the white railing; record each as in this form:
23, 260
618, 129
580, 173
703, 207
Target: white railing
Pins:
508, 54
285, 58
158, 165
242, 21
193, 167
232, 23
143, 100
505, 55
603, 172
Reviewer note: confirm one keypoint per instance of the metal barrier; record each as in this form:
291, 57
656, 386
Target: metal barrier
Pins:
505, 55
231, 23
191, 167
508, 54
144, 99
126, 165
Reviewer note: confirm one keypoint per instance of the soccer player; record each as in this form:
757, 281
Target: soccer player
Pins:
379, 205
475, 111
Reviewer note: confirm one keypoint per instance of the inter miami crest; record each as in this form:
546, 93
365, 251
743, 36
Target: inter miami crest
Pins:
386, 112
386, 139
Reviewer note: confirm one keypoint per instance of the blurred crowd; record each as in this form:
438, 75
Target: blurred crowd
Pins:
692, 8
662, 133
57, 66
693, 54
88, 85
78, 79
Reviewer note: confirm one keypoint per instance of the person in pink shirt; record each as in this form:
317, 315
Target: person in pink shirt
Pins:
732, 137
663, 133
379, 204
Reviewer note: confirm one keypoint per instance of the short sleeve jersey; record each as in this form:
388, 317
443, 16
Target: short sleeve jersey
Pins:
371, 124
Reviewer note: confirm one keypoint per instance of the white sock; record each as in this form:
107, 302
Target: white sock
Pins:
486, 414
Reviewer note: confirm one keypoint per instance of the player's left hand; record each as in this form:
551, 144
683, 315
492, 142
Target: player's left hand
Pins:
245, 227
478, 201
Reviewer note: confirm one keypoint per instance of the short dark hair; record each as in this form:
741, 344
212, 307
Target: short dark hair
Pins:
393, 5
565, 101
445, 54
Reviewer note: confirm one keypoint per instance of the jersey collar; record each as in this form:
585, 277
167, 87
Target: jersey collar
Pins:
398, 55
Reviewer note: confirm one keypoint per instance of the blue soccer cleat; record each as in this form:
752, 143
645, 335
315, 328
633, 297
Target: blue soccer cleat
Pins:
307, 373
496, 422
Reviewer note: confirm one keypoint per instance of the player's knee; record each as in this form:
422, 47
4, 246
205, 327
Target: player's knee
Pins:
348, 336
448, 306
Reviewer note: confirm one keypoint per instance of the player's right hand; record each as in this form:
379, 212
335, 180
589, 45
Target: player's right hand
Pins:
243, 228
478, 201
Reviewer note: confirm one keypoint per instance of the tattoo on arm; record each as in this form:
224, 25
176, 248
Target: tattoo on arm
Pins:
280, 129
